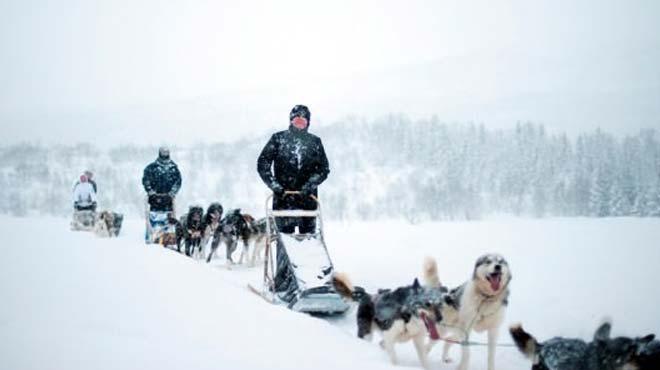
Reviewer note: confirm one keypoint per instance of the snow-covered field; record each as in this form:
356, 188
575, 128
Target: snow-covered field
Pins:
73, 301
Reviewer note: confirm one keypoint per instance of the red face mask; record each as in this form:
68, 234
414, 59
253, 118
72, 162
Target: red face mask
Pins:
299, 123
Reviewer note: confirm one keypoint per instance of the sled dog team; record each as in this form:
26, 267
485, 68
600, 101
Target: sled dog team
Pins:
428, 312
195, 229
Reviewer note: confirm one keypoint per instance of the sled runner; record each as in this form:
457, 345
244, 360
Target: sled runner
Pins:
297, 267
160, 220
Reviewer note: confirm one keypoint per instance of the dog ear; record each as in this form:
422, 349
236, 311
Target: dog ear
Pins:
646, 339
642, 344
416, 285
603, 331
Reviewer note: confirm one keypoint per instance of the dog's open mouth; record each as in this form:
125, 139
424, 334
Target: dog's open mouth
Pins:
495, 280
430, 326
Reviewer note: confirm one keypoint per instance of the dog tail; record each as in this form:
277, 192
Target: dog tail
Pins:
430, 270
345, 288
525, 342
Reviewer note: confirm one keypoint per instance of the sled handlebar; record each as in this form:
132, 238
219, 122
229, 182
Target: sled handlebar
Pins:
296, 192
293, 212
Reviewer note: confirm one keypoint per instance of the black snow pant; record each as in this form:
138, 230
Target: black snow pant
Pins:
287, 225
160, 203
91, 207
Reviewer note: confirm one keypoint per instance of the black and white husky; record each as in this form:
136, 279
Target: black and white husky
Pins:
232, 229
477, 305
212, 219
603, 353
407, 313
190, 231
258, 238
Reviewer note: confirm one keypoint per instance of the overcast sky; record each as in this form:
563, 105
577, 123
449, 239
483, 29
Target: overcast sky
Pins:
119, 71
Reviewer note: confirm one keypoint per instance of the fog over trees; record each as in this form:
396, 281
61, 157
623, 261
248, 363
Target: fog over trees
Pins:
389, 168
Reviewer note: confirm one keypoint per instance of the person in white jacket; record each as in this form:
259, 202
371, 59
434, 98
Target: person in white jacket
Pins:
84, 196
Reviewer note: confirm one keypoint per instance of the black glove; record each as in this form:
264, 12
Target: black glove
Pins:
277, 188
308, 189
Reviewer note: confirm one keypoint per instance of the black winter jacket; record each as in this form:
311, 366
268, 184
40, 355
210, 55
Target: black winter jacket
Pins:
162, 177
298, 160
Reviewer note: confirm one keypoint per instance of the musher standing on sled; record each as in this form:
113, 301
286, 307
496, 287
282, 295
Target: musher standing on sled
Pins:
84, 205
293, 160
84, 195
298, 163
161, 181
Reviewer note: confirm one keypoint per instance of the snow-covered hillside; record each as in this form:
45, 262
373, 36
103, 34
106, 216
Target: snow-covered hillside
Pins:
391, 168
73, 301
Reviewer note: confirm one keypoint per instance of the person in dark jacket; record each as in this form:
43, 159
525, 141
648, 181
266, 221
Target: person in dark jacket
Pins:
294, 160
161, 181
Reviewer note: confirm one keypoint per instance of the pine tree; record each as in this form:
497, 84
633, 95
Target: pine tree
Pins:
618, 203
599, 200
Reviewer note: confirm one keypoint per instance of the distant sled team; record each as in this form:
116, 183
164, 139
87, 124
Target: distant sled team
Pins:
85, 217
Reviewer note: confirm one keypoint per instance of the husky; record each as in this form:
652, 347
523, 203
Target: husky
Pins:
212, 219
479, 304
603, 353
232, 229
189, 231
108, 224
649, 357
258, 232
407, 313
249, 237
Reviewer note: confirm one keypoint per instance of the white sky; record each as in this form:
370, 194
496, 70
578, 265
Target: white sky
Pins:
71, 69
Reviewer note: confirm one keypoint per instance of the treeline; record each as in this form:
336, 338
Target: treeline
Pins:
384, 169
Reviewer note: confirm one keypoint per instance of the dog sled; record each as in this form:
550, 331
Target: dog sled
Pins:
103, 224
160, 220
83, 220
297, 267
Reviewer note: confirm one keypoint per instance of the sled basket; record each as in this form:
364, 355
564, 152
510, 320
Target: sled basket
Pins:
297, 268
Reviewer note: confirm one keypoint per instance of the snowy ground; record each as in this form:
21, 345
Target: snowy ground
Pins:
72, 301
